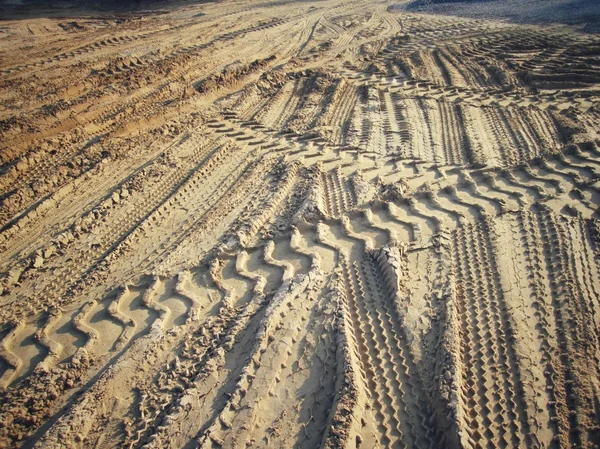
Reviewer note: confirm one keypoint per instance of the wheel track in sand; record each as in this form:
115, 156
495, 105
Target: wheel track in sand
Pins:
138, 214
392, 145
146, 298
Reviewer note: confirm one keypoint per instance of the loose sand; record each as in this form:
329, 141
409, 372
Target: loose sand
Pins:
324, 224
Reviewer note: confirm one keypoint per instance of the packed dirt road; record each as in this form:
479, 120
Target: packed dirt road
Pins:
325, 224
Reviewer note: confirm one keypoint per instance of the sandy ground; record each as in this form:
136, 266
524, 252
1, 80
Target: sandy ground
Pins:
325, 224
583, 15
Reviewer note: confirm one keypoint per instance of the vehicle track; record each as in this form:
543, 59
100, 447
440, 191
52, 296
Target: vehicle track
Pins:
324, 224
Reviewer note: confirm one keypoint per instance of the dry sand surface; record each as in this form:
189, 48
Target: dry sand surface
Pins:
324, 224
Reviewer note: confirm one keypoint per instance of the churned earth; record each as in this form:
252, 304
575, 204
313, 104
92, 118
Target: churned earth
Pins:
319, 224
